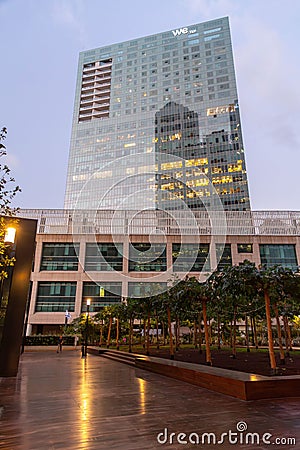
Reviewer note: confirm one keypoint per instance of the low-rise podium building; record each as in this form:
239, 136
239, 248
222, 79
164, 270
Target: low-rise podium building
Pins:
108, 256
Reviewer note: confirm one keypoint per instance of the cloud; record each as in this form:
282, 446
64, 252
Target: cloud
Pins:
267, 76
261, 58
3, 5
69, 13
12, 161
211, 9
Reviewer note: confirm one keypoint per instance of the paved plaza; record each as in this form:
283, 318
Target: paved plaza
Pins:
61, 401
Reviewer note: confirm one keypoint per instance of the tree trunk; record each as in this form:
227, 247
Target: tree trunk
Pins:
140, 334
207, 346
210, 332
281, 350
247, 333
219, 331
270, 334
195, 335
170, 334
286, 335
130, 335
177, 334
109, 332
252, 329
164, 332
117, 334
289, 335
234, 335
145, 333
157, 338
231, 336
148, 336
254, 332
200, 332
101, 334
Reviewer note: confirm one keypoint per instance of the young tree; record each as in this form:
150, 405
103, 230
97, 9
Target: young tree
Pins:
78, 325
285, 301
119, 315
200, 293
167, 303
8, 190
146, 309
105, 317
99, 319
238, 289
131, 313
267, 281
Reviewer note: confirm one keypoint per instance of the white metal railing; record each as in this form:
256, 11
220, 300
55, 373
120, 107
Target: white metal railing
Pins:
87, 88
62, 221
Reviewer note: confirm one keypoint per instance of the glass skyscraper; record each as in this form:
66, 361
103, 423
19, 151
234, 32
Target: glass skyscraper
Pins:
156, 124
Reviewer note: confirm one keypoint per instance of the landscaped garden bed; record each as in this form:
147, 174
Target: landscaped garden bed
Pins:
256, 361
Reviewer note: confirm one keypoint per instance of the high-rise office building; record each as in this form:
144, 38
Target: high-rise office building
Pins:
156, 124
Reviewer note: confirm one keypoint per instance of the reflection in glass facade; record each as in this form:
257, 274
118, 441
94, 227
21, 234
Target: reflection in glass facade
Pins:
245, 248
172, 93
140, 290
187, 261
55, 297
147, 258
101, 294
59, 256
278, 254
103, 257
224, 253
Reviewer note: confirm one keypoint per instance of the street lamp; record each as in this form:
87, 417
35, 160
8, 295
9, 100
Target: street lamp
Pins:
88, 302
10, 235
18, 243
9, 240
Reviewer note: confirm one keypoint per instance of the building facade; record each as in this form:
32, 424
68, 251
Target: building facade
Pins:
88, 260
161, 114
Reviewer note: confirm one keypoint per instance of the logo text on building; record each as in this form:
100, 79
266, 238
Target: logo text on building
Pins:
183, 30
180, 31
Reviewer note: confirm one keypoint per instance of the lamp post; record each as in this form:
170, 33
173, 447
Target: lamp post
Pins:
19, 243
88, 302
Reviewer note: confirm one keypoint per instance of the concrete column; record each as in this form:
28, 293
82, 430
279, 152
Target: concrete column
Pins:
298, 250
78, 299
169, 256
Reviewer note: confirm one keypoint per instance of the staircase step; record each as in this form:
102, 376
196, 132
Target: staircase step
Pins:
119, 358
116, 355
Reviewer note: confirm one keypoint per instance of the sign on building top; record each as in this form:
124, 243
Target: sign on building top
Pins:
184, 30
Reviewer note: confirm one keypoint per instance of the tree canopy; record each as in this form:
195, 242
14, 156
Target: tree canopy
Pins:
8, 190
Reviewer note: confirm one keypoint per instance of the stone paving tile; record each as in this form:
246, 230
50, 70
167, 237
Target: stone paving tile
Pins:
66, 402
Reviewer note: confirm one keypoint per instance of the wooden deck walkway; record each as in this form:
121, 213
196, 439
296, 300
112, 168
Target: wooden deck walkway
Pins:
61, 401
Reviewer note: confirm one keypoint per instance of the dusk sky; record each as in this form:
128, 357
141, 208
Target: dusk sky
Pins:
40, 42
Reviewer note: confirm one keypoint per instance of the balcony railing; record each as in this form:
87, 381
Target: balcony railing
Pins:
60, 221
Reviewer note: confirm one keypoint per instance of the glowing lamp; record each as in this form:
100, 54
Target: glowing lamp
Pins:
10, 235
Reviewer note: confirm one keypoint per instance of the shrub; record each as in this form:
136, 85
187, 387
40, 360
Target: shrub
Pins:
47, 340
